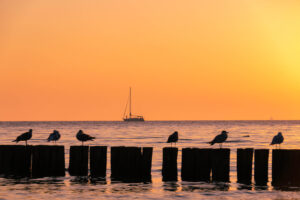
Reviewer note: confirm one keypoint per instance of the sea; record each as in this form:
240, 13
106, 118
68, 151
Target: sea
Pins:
242, 134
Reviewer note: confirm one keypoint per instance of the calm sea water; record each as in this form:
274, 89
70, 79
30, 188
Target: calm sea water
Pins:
154, 134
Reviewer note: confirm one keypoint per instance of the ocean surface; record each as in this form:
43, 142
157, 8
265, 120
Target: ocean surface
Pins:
242, 134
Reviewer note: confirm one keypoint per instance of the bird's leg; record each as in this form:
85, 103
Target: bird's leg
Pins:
26, 142
82, 143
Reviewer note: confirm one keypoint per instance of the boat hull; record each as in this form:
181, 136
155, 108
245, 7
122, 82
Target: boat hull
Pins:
133, 119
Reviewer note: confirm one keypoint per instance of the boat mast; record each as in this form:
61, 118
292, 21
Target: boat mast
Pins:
130, 102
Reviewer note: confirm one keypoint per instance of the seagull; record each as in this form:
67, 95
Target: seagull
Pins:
173, 138
219, 138
54, 136
24, 137
277, 139
83, 137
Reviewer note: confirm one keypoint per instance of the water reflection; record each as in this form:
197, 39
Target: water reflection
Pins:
117, 187
244, 187
258, 187
204, 186
82, 180
286, 188
170, 186
101, 181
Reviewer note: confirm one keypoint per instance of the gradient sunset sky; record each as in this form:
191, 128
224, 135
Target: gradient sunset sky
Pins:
185, 60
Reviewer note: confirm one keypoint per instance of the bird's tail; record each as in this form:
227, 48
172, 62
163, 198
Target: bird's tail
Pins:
211, 143
15, 141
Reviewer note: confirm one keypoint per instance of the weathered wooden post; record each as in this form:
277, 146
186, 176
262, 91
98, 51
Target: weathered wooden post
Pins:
146, 163
78, 165
295, 181
285, 167
57, 162
280, 167
220, 165
15, 160
116, 164
188, 164
203, 164
196, 164
98, 157
244, 165
169, 168
261, 160
48, 161
131, 164
7, 159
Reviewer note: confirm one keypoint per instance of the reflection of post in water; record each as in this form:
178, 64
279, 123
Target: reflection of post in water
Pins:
121, 187
88, 184
170, 186
203, 186
244, 187
259, 187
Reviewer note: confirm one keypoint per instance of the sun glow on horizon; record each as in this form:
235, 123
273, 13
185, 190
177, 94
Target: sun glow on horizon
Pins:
195, 60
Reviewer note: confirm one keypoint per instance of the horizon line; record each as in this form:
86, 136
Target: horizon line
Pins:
150, 120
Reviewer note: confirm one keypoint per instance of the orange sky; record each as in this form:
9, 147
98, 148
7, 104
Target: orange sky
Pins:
185, 60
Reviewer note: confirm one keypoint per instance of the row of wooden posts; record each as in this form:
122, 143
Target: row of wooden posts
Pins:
133, 164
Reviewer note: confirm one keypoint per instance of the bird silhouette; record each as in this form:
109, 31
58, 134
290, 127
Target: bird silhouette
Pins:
83, 137
219, 138
24, 137
54, 136
277, 139
173, 138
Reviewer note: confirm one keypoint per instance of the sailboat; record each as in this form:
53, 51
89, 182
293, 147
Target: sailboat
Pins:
129, 117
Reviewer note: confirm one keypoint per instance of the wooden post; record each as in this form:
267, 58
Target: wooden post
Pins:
146, 163
244, 165
15, 160
115, 160
280, 170
40, 161
169, 168
78, 165
261, 160
196, 164
8, 159
22, 161
132, 165
295, 165
188, 164
98, 156
57, 162
203, 164
48, 161
285, 167
220, 165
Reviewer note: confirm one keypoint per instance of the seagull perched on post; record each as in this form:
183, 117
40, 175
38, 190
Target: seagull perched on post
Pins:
54, 136
219, 138
173, 138
83, 137
277, 139
24, 137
